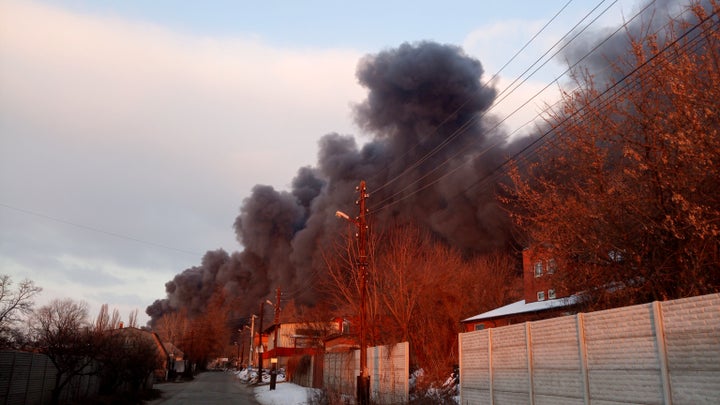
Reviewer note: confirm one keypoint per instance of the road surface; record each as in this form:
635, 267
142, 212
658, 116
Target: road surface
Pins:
212, 387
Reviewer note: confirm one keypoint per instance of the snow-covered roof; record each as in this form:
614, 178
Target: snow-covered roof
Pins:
521, 307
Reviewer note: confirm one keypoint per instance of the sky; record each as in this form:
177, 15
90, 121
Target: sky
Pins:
131, 131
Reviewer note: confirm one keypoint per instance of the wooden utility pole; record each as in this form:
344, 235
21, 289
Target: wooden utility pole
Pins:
273, 375
363, 380
364, 387
252, 337
260, 344
277, 319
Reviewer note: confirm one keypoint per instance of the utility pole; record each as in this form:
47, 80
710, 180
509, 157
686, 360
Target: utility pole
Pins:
252, 337
241, 350
274, 360
260, 345
363, 380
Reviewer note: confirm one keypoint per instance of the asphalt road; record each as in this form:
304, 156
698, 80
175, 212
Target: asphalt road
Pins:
212, 387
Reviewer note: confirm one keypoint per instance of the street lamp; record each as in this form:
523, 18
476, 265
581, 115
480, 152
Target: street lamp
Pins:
260, 343
274, 359
363, 380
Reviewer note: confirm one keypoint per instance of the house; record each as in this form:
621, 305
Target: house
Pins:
297, 338
344, 339
543, 294
131, 337
176, 359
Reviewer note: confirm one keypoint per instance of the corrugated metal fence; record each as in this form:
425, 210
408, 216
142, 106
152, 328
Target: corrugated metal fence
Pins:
25, 378
658, 353
28, 378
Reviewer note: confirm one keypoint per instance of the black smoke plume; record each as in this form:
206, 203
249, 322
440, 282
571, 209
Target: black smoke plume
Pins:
430, 145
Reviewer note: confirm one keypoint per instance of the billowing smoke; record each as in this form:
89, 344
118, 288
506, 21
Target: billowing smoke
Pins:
429, 147
599, 49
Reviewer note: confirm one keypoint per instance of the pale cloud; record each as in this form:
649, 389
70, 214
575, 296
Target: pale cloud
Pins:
484, 42
122, 288
137, 130
521, 98
105, 282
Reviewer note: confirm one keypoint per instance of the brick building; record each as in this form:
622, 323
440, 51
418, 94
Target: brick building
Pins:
543, 294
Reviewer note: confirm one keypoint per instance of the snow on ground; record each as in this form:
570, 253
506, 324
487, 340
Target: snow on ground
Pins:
286, 394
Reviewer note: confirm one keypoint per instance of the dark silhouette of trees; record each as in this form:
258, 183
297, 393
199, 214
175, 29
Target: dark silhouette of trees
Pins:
123, 358
626, 186
126, 356
63, 334
15, 302
201, 337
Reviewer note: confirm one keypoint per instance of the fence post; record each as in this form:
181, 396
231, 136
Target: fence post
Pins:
490, 367
662, 351
582, 351
460, 367
528, 348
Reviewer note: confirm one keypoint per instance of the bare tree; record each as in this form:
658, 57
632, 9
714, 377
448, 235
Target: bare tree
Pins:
63, 334
419, 288
132, 319
104, 322
172, 326
14, 303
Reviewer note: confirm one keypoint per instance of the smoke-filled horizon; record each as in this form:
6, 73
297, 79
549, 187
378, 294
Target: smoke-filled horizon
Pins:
420, 96
432, 144
431, 147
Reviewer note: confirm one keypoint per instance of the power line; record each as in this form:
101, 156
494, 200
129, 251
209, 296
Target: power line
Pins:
505, 91
97, 230
458, 131
497, 143
533, 146
599, 98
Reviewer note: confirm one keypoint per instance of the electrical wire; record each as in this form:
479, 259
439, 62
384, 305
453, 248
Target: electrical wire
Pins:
98, 230
599, 98
467, 100
385, 204
468, 123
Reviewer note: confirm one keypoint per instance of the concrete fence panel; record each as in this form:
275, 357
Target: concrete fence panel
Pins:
692, 336
658, 353
556, 361
510, 365
389, 368
339, 372
623, 364
475, 361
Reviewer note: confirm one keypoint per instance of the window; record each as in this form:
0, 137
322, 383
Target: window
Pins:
538, 269
551, 294
541, 296
479, 326
551, 266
